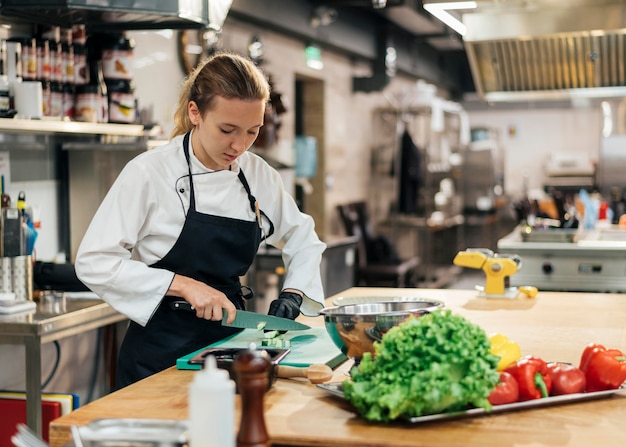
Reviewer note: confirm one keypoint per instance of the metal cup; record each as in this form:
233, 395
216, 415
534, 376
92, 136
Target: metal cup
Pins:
53, 302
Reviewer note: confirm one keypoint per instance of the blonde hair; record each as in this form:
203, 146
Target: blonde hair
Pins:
224, 74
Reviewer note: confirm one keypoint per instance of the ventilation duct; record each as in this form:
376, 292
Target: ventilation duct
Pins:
384, 66
117, 14
547, 49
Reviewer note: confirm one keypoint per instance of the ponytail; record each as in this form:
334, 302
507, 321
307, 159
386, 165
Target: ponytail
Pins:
224, 74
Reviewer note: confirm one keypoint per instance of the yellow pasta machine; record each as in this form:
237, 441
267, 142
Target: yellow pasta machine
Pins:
498, 270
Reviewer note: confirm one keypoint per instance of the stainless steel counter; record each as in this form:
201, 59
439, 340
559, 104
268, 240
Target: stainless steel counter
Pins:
32, 329
592, 261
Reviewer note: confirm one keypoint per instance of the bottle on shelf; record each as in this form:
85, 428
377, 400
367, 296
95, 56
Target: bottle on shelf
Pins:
5, 97
21, 202
79, 47
6, 198
91, 99
42, 54
67, 57
122, 102
103, 114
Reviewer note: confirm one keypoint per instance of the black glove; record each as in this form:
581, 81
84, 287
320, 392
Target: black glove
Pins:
286, 306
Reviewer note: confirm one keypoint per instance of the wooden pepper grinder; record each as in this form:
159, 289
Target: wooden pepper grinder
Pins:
252, 371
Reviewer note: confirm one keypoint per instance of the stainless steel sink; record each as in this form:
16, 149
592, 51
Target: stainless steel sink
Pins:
548, 235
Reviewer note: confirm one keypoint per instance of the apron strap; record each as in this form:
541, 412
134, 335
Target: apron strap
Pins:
192, 193
254, 205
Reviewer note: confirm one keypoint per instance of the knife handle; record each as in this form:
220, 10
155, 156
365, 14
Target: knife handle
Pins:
181, 305
316, 373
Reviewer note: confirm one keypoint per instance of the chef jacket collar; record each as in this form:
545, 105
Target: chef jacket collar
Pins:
198, 167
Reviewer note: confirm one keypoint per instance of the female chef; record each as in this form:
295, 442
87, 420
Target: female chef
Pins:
185, 220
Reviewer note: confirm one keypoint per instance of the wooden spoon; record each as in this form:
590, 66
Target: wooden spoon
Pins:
317, 373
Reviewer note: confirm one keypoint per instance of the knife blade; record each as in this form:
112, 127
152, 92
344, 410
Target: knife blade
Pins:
250, 320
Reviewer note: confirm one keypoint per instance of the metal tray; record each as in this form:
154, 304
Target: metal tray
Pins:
550, 235
336, 389
131, 432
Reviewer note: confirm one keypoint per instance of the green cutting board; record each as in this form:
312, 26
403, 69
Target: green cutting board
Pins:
311, 346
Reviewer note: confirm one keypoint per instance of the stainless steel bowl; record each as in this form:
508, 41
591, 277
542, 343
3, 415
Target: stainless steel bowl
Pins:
354, 327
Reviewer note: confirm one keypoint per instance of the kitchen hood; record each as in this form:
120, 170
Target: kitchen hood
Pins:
103, 15
535, 50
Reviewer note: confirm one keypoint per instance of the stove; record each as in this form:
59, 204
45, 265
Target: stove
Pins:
587, 261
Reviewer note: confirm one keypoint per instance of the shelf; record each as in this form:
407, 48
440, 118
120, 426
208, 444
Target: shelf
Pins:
109, 15
92, 146
418, 222
69, 127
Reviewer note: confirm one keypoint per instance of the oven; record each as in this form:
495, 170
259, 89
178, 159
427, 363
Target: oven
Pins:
587, 261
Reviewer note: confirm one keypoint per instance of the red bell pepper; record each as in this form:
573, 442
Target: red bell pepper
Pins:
605, 369
506, 391
531, 374
566, 379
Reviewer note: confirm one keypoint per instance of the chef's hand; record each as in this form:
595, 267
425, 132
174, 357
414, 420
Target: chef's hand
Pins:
209, 303
287, 305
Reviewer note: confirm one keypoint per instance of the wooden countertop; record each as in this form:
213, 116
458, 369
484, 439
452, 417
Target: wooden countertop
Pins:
553, 326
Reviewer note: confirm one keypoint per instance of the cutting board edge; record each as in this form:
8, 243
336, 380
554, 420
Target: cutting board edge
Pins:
183, 364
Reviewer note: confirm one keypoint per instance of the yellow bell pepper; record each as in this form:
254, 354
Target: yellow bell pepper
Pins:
507, 350
529, 291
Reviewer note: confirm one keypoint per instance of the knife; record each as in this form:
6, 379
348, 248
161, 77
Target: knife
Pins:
250, 320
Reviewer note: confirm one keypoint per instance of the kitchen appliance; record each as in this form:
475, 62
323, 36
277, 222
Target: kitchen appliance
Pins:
593, 261
611, 166
119, 14
522, 50
569, 172
480, 177
497, 268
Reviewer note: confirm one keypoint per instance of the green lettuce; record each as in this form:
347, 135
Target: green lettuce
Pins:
439, 362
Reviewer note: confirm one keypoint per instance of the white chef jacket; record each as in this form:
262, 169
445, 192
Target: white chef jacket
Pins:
143, 213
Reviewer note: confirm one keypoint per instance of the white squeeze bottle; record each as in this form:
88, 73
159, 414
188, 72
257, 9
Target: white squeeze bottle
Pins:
212, 407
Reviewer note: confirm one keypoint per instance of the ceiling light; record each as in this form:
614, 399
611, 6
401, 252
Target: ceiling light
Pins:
255, 50
440, 10
323, 16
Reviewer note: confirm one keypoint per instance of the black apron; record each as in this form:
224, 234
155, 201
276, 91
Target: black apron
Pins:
213, 249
